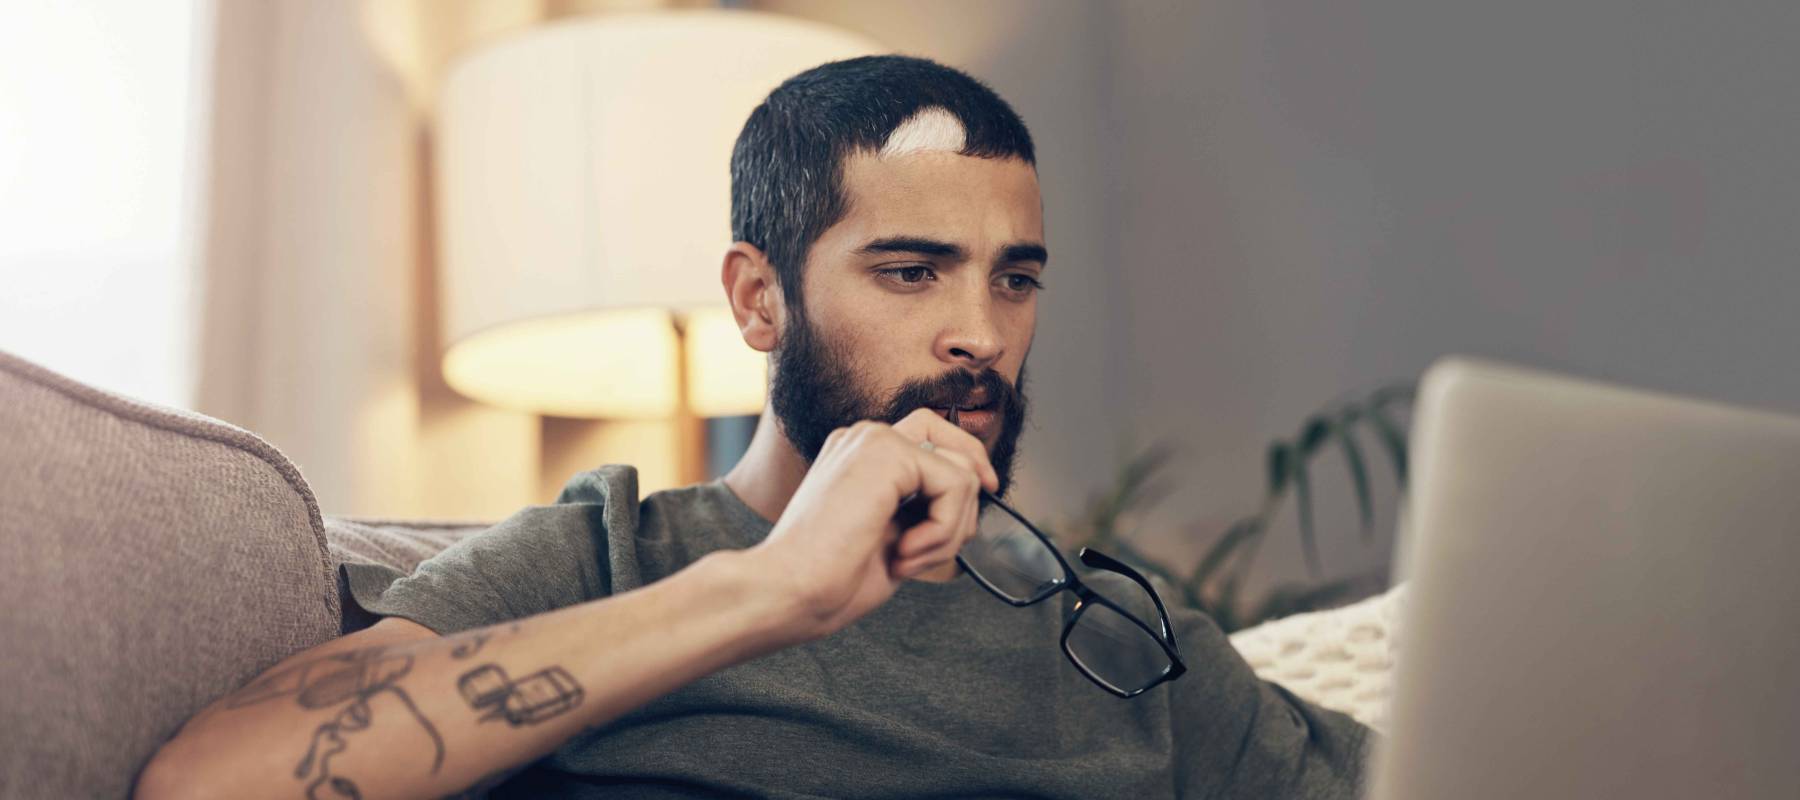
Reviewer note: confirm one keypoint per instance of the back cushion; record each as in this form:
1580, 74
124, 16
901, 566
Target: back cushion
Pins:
150, 561
397, 544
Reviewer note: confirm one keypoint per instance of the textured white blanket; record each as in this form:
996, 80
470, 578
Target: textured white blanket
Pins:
1342, 659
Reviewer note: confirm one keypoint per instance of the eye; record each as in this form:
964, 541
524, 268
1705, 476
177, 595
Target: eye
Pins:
1020, 283
907, 276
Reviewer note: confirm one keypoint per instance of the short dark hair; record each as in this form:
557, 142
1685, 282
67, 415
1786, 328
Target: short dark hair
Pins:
787, 165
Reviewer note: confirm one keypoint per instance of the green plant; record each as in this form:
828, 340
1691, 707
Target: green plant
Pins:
1215, 583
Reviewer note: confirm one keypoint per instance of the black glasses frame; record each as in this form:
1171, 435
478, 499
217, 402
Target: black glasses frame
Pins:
1086, 597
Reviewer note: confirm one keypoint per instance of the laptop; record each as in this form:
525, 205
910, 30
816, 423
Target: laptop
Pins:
1604, 595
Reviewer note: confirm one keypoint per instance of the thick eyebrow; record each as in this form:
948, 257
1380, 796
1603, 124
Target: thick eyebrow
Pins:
918, 245
924, 246
1015, 253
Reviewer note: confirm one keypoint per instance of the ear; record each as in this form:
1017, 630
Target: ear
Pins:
754, 291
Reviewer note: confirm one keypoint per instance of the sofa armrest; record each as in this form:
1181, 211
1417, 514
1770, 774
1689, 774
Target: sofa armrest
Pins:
150, 561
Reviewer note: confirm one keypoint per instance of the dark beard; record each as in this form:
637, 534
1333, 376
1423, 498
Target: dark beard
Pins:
813, 391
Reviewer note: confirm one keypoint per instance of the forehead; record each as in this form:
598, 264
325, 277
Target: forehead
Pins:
972, 201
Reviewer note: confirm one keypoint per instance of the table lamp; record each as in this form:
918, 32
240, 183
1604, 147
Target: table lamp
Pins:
582, 173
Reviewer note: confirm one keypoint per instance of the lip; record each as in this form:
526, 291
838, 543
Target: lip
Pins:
976, 399
980, 422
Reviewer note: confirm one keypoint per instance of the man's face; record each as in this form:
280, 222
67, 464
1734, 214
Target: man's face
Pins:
924, 295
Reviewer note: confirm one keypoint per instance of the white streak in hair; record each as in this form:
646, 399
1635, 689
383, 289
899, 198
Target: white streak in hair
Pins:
931, 129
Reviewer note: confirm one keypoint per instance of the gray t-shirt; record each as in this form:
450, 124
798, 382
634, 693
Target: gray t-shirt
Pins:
944, 691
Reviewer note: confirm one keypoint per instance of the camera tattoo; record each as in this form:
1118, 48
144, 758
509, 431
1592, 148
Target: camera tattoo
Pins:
532, 699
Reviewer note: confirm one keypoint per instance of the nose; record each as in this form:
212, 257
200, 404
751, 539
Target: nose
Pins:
970, 338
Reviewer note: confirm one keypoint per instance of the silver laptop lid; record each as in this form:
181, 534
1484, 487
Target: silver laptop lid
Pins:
1604, 591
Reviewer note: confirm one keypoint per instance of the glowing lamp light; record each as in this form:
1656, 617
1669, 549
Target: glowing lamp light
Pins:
583, 209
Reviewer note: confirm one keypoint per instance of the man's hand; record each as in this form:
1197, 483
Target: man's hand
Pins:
838, 546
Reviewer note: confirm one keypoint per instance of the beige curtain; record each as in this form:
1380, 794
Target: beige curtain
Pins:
319, 327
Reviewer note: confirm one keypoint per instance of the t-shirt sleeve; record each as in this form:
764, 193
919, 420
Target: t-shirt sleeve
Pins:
1260, 738
539, 559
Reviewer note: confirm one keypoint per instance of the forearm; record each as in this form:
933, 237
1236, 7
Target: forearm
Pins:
430, 717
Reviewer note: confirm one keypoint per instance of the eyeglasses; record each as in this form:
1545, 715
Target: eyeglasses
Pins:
1106, 637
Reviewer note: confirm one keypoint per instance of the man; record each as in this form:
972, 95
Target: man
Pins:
784, 632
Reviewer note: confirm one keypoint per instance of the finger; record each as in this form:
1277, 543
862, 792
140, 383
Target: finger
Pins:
836, 443
924, 541
927, 537
942, 553
921, 541
915, 567
946, 435
956, 457
961, 461
937, 554
924, 425
951, 492
941, 550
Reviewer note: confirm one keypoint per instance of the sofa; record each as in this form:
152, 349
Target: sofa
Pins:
152, 559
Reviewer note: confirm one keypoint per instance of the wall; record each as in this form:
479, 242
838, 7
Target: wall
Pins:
1319, 196
1256, 209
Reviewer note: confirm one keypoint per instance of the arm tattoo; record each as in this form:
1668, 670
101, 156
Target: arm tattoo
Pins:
475, 640
356, 677
471, 645
528, 700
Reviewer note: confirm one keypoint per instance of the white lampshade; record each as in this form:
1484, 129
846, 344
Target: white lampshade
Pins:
583, 196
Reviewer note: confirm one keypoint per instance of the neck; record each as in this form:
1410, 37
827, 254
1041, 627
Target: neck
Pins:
771, 471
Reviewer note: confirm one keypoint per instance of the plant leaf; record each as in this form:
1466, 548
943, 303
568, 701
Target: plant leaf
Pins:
1312, 434
1393, 393
1228, 606
1140, 469
1280, 466
1309, 539
1343, 429
1295, 598
1393, 439
1134, 487
1240, 533
1382, 406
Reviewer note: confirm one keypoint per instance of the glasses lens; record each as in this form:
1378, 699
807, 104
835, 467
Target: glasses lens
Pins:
1011, 558
1115, 649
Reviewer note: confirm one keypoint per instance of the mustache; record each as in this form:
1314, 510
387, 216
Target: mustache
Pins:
952, 389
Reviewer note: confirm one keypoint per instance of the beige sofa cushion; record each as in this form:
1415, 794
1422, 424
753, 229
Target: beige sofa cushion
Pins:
150, 560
